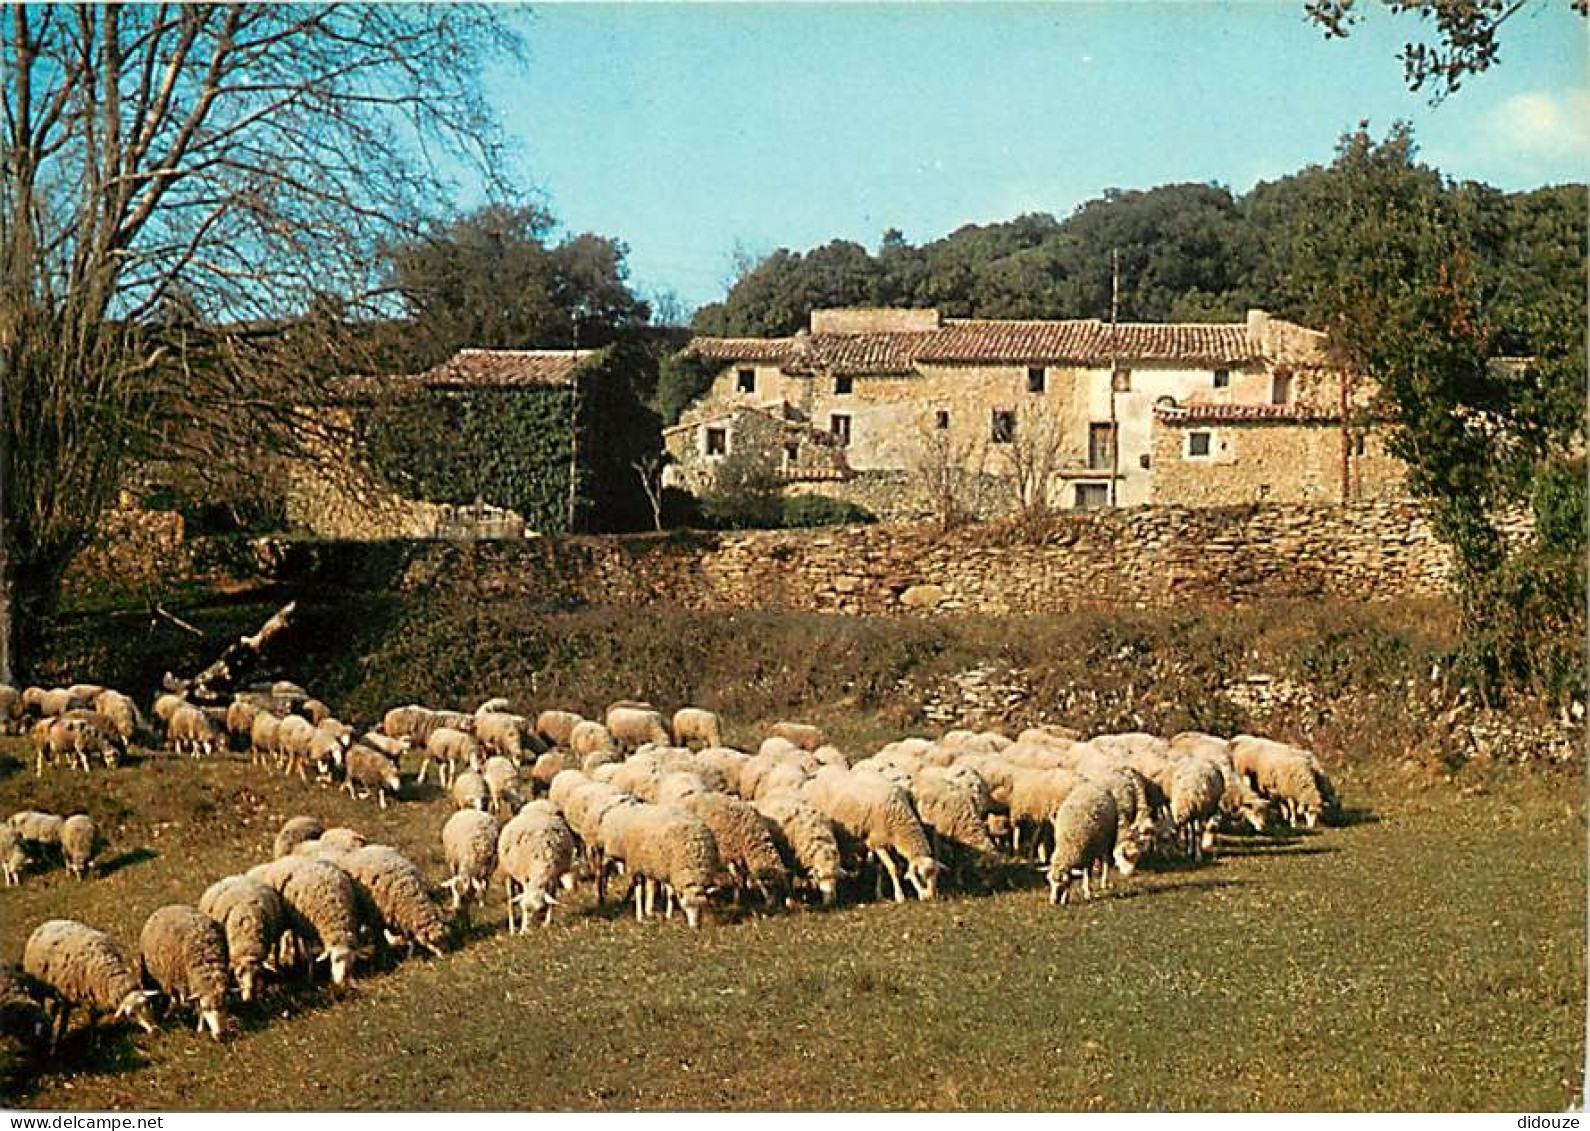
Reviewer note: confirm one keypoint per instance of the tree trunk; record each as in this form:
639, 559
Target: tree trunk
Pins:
216, 683
28, 594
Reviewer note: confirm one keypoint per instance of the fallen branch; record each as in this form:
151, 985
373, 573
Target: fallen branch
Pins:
216, 683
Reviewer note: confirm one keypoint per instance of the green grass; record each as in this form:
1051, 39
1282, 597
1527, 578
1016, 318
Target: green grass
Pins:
1428, 955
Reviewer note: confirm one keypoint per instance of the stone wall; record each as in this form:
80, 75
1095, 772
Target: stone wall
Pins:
131, 547
1270, 461
1144, 557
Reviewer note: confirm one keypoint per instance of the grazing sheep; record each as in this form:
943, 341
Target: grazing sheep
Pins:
746, 848
535, 851
122, 713
589, 738
1132, 829
80, 843
450, 748
557, 727
315, 711
372, 771
13, 857
806, 840
398, 892
265, 739
41, 830
584, 802
294, 831
954, 810
78, 737
549, 766
1034, 797
294, 734
727, 763
878, 816
469, 791
393, 748
694, 726
240, 716
1195, 792
58, 701
633, 727
322, 909
405, 722
340, 839
79, 966
183, 952
663, 846
511, 736
253, 917
1084, 830
167, 705
10, 710
801, 734
1289, 775
469, 842
194, 729
786, 777
502, 779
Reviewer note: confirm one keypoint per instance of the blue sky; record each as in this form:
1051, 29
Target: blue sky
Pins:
691, 130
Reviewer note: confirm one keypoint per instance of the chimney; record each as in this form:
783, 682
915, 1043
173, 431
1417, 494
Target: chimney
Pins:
874, 320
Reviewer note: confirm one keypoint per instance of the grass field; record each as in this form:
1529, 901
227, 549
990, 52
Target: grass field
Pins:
1430, 954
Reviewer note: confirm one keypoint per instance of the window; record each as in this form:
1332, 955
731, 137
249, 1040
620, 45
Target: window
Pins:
1003, 430
1358, 444
1092, 496
842, 386
941, 419
1222, 378
717, 441
1198, 444
1281, 389
792, 453
747, 379
1143, 461
1101, 447
839, 426
1037, 379
1121, 381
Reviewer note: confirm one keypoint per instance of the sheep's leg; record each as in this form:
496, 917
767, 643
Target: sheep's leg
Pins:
380, 796
507, 886
639, 890
424, 765
887, 861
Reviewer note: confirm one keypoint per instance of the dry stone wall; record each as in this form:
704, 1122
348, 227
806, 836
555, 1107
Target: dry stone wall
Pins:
1145, 557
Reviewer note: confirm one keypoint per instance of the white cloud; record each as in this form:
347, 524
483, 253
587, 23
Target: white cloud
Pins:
1543, 124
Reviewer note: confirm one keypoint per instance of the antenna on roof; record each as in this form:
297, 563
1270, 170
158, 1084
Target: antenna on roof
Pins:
1115, 369
1115, 285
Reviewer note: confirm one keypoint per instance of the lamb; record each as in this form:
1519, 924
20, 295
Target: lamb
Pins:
1084, 831
183, 952
633, 727
42, 830
193, 728
535, 851
371, 770
253, 918
294, 831
801, 734
511, 736
556, 727
469, 842
694, 726
80, 843
398, 892
13, 857
79, 966
871, 812
502, 779
667, 846
322, 908
805, 838
450, 748
954, 810
746, 848
469, 791
1195, 792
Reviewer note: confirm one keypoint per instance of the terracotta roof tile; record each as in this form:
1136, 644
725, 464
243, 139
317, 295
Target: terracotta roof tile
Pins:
1216, 413
859, 353
475, 369
743, 349
1088, 341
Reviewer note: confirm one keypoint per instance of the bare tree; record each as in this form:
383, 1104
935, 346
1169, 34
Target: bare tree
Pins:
168, 167
1030, 454
650, 469
950, 473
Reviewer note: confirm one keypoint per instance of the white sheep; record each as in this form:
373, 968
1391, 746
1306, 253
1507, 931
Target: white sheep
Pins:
633, 727
253, 917
557, 727
805, 838
294, 831
666, 847
746, 847
1289, 775
122, 713
322, 909
294, 734
876, 815
196, 730
535, 851
953, 805
511, 736
1084, 830
450, 748
469, 843
81, 967
469, 791
1035, 794
373, 771
80, 843
589, 737
804, 735
694, 726
1195, 792
584, 802
502, 780
183, 952
398, 892
13, 857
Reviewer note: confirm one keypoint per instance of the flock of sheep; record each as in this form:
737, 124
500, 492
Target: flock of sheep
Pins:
549, 801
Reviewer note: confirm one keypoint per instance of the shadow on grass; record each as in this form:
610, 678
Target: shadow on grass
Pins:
1208, 883
126, 860
1347, 818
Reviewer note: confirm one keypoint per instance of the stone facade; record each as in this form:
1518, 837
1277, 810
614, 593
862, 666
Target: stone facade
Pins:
1143, 557
1084, 399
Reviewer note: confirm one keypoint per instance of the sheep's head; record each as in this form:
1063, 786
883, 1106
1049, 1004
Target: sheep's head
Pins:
1060, 880
246, 972
923, 874
135, 1008
340, 959
1256, 812
1127, 853
210, 1006
692, 900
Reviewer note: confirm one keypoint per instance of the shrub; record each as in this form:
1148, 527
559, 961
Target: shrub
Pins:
821, 510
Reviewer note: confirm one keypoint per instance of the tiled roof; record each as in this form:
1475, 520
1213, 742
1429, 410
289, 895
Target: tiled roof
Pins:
743, 349
858, 353
1088, 341
476, 369
1217, 413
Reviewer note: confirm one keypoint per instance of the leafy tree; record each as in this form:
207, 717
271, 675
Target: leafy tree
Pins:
246, 157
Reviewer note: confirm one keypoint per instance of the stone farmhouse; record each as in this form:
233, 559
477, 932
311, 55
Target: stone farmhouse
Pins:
1104, 415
